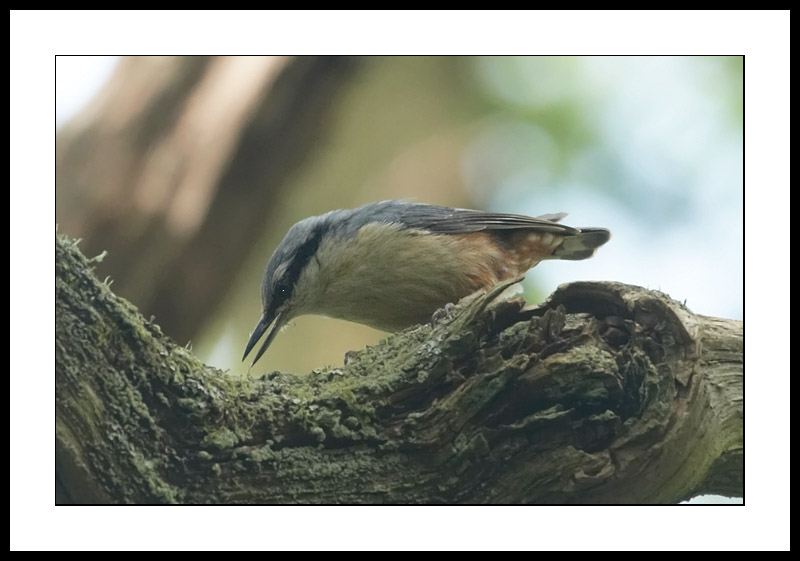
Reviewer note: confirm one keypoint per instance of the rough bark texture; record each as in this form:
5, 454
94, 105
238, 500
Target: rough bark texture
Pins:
606, 393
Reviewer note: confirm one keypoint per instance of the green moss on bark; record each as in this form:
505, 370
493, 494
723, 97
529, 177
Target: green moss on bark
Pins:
601, 395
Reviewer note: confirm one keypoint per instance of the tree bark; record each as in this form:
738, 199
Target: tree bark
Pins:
606, 393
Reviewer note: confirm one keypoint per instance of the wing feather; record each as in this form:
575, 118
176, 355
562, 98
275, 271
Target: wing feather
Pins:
446, 220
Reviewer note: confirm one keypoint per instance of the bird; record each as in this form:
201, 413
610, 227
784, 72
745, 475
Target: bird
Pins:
392, 264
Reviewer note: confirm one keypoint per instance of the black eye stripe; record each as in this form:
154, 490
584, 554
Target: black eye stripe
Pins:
285, 285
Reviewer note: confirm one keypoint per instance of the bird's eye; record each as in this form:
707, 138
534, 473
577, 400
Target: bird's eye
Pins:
282, 290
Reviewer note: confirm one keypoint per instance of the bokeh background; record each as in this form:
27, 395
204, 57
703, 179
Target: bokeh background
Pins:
189, 170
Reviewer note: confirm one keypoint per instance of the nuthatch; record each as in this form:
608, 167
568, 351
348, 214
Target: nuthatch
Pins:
392, 264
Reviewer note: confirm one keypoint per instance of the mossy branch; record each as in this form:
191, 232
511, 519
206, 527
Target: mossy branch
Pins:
606, 393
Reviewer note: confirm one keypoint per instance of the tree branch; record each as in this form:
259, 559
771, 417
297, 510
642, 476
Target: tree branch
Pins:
606, 393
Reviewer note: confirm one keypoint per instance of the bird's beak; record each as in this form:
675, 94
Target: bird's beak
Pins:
263, 325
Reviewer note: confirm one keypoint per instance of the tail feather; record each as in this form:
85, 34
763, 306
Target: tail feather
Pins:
581, 245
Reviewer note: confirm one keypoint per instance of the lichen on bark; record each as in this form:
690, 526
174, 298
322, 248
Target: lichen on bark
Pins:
605, 393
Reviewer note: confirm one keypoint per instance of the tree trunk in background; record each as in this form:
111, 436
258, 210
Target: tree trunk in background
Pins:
607, 393
176, 166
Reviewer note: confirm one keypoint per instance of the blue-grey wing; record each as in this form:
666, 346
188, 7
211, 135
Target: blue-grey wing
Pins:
446, 220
